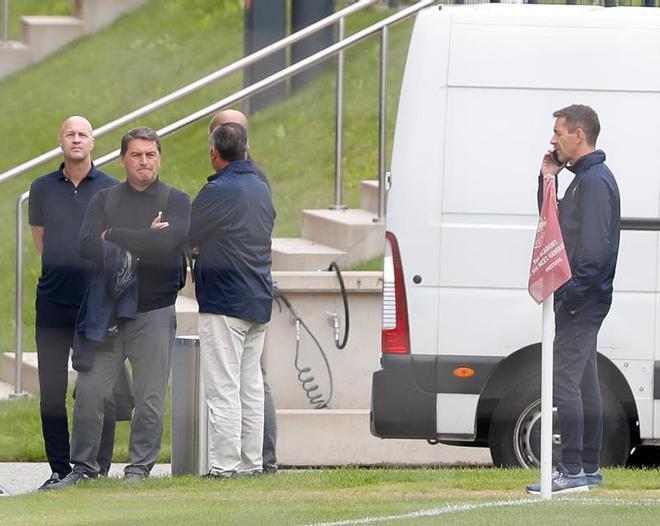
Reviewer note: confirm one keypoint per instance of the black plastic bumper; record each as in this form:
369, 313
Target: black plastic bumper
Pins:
400, 406
403, 392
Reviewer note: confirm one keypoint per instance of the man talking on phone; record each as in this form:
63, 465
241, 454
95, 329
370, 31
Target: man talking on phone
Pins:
590, 220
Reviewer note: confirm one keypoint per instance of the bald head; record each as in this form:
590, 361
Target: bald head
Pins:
224, 116
76, 141
78, 122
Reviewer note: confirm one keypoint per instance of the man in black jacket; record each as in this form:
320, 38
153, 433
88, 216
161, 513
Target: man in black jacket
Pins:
590, 220
135, 216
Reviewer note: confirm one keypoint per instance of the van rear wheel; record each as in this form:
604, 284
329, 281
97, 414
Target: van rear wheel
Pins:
515, 429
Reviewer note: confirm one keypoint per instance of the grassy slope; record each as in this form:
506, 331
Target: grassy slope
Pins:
161, 47
316, 496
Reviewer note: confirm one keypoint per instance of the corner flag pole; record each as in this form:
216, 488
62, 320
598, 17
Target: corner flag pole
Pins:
548, 333
548, 271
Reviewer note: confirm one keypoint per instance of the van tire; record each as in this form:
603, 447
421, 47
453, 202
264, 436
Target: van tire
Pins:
515, 428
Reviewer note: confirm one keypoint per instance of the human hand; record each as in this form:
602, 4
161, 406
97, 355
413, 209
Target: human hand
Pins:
158, 223
551, 164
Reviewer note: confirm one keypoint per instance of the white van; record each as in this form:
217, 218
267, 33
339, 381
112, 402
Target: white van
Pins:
461, 336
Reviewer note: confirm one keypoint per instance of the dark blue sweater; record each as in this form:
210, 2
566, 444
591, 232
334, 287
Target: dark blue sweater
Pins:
590, 219
231, 223
159, 251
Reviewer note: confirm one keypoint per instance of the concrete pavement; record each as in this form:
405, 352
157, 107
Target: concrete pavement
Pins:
23, 477
5, 390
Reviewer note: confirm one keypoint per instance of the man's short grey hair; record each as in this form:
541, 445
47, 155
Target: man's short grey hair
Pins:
231, 141
581, 116
144, 133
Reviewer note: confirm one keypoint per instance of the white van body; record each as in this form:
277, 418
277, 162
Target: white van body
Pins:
475, 117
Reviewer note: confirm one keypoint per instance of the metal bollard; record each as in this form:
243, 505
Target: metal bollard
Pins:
189, 415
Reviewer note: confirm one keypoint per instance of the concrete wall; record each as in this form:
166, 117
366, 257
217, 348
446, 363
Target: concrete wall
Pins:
340, 434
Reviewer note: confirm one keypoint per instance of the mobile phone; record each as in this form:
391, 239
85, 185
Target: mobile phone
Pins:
160, 216
555, 157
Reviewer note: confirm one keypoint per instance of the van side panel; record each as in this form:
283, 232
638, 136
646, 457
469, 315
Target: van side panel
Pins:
415, 197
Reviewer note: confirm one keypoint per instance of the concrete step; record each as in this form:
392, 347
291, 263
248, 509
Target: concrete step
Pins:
187, 312
6, 390
189, 289
369, 196
352, 230
47, 34
44, 35
98, 14
29, 369
14, 56
332, 437
302, 254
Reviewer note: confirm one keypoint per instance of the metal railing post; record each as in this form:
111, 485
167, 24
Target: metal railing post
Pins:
382, 122
5, 22
339, 119
18, 350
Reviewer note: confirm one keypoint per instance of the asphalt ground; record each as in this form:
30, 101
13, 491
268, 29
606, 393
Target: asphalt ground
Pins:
17, 478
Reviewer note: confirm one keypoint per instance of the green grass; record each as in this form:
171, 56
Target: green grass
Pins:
159, 48
314, 496
21, 440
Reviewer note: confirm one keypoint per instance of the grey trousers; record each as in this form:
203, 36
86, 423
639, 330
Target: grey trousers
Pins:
147, 343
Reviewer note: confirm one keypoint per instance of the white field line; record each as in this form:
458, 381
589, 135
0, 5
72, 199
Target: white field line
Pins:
454, 508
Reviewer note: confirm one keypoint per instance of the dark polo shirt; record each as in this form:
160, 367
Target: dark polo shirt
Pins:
58, 206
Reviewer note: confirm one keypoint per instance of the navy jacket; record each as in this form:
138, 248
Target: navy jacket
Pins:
112, 296
231, 223
590, 219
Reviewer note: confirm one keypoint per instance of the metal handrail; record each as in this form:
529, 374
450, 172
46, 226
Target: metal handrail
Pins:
18, 354
197, 85
281, 75
339, 120
227, 101
382, 123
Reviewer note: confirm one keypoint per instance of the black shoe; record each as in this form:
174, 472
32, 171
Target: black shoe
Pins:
72, 479
221, 475
134, 478
270, 468
54, 479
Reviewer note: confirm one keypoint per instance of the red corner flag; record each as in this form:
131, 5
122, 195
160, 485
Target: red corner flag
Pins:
550, 268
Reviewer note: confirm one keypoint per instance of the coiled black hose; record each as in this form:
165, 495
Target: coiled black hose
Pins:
340, 278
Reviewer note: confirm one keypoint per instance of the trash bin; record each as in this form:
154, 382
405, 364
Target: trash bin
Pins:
189, 415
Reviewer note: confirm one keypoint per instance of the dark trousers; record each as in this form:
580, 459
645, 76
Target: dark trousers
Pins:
54, 328
269, 452
576, 388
